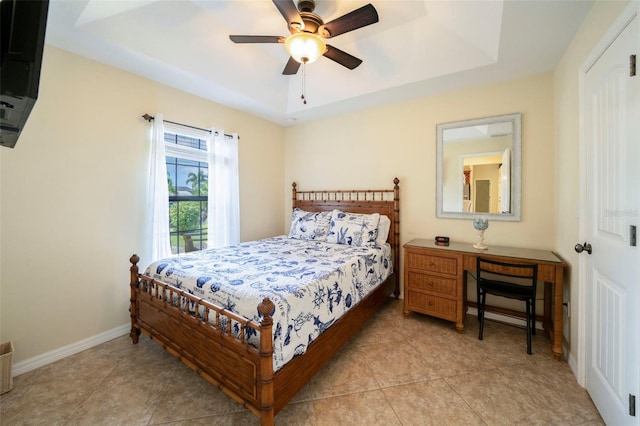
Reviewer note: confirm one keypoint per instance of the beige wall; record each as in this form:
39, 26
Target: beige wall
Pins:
72, 197
367, 149
567, 135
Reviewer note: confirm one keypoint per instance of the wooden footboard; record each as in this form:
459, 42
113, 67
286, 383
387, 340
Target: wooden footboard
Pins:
209, 339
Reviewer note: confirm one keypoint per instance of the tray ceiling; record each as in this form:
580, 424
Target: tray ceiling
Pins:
418, 48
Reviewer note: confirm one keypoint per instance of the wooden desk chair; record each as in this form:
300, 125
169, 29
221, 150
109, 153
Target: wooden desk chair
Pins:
511, 280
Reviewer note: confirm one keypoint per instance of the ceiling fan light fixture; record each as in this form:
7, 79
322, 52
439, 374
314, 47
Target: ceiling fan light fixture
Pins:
305, 47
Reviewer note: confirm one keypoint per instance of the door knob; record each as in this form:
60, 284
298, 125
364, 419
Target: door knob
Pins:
579, 248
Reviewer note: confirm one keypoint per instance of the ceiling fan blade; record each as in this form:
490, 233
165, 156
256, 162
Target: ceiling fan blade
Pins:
292, 67
343, 58
256, 39
289, 12
353, 20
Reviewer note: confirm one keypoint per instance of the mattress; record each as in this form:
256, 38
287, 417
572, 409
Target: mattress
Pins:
311, 283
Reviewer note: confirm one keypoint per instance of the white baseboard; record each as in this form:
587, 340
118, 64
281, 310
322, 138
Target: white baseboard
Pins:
572, 363
65, 351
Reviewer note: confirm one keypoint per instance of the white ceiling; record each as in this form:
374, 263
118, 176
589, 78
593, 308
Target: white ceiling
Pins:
418, 48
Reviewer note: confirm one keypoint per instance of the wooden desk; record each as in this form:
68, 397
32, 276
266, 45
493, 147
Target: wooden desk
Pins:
435, 281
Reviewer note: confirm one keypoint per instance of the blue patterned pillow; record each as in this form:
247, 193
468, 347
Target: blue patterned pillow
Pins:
309, 225
353, 229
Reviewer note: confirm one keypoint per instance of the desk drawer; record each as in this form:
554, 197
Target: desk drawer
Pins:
430, 263
432, 305
441, 285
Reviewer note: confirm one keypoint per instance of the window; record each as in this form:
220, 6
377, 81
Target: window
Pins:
187, 179
189, 166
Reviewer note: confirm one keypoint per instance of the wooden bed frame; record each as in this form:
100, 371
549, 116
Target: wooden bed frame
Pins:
242, 371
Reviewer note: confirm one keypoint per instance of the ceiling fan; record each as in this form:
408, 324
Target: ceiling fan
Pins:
308, 31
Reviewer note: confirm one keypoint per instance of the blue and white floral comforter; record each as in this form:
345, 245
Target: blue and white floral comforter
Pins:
312, 283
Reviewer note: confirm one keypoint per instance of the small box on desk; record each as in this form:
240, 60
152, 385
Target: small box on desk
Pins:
442, 241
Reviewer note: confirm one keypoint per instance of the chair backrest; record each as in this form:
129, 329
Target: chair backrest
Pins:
521, 274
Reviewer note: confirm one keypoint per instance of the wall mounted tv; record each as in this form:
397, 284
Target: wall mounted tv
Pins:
22, 30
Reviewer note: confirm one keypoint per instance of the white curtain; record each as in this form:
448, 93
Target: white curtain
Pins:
157, 239
224, 202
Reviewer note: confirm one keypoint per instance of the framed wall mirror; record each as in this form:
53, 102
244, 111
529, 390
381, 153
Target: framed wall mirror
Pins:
478, 168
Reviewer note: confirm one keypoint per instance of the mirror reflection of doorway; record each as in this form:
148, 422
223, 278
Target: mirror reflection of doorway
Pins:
485, 166
482, 195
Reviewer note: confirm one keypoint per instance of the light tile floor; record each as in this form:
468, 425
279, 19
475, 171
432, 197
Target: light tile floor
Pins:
396, 371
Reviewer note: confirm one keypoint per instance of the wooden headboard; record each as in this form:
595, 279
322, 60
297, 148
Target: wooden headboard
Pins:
383, 201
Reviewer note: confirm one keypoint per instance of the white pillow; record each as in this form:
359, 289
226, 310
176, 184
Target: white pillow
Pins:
383, 230
353, 229
309, 225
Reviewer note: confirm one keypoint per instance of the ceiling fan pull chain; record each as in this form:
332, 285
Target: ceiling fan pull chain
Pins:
304, 100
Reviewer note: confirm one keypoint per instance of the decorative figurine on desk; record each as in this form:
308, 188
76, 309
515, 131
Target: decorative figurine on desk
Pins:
480, 224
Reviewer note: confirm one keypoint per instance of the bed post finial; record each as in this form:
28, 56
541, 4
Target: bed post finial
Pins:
266, 309
294, 196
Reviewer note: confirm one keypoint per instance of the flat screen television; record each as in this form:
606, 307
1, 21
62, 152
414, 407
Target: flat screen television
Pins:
22, 30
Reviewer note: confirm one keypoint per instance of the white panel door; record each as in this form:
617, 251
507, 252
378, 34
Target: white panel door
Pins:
612, 137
